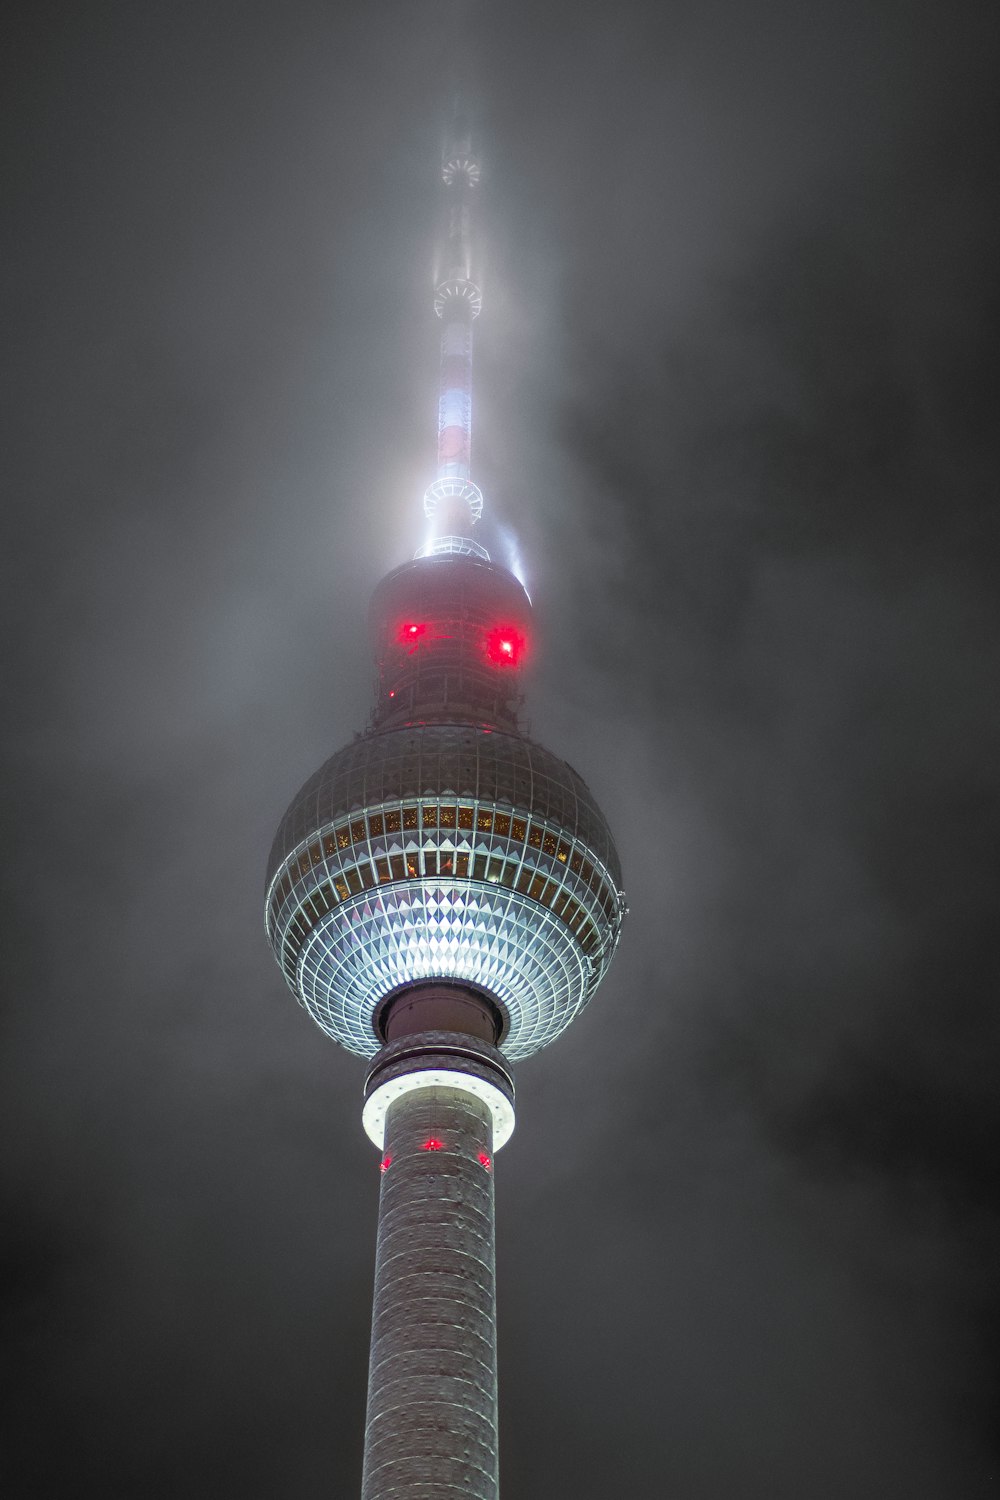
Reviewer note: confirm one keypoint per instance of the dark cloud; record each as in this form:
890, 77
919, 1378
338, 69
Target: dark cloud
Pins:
736, 402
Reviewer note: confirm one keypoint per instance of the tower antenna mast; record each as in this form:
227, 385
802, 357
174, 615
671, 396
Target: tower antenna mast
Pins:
453, 503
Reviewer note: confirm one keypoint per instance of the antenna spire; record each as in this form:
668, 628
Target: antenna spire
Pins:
453, 503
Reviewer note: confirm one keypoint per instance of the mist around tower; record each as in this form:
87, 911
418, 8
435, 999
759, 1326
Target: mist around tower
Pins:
746, 444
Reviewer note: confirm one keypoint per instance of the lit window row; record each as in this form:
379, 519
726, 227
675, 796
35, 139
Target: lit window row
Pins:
511, 874
458, 818
477, 821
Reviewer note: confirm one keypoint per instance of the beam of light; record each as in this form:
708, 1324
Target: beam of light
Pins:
512, 555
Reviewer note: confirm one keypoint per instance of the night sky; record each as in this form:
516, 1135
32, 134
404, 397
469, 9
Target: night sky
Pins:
736, 401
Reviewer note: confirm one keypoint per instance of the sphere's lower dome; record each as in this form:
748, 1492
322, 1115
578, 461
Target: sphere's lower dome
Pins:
444, 851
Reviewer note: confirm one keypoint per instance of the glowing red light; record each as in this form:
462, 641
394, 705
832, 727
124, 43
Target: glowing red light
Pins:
410, 633
504, 646
485, 1161
385, 1163
433, 1145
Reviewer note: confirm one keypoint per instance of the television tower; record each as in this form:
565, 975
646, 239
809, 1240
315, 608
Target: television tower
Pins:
441, 889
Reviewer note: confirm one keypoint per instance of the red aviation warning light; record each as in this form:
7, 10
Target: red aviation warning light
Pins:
411, 633
504, 646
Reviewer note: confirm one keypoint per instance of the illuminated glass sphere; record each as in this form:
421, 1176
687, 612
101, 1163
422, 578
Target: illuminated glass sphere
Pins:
440, 851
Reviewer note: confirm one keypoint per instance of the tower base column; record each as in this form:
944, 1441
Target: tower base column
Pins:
431, 1429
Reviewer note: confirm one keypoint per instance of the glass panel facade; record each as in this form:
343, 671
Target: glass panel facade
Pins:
491, 835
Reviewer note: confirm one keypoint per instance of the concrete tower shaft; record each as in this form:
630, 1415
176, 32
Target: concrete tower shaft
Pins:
438, 1103
432, 1381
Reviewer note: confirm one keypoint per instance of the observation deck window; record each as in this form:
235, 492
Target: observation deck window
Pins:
518, 829
358, 830
550, 843
484, 821
398, 866
535, 838
376, 825
448, 816
384, 873
589, 937
410, 817
393, 822
430, 817
465, 817
501, 824
461, 865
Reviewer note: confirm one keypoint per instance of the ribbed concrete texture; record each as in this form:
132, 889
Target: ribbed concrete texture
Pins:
432, 1387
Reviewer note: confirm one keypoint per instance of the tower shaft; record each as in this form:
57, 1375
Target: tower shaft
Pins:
431, 1430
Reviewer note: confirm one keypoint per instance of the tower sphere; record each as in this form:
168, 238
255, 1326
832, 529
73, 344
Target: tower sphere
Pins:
440, 852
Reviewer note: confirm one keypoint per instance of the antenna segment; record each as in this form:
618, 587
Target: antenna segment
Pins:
453, 503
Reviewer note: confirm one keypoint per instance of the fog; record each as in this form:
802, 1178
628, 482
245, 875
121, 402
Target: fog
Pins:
735, 409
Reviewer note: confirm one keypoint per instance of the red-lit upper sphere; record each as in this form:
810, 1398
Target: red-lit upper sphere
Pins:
451, 635
444, 845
